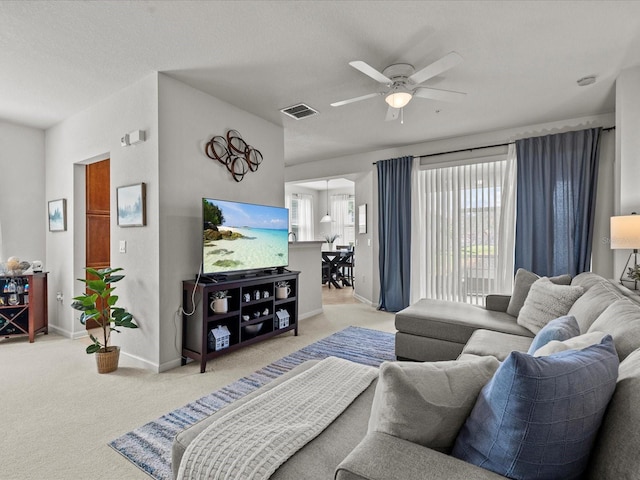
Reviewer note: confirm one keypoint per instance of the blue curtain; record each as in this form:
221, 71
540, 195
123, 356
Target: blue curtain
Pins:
394, 232
557, 182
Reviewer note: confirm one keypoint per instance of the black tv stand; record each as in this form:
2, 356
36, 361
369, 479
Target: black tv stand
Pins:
212, 278
255, 307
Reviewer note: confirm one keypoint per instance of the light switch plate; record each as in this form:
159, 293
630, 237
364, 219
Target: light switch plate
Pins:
123, 246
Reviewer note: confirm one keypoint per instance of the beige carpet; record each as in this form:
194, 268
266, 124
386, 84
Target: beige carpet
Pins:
58, 414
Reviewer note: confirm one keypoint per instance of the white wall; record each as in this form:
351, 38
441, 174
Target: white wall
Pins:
22, 195
188, 119
94, 134
305, 258
367, 281
363, 163
602, 255
178, 121
627, 151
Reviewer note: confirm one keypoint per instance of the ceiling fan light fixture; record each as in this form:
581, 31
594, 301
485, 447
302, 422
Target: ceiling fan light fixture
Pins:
398, 97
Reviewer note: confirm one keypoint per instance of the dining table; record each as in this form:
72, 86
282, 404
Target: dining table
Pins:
332, 259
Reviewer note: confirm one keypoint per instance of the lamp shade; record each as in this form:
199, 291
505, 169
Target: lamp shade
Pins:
625, 232
325, 219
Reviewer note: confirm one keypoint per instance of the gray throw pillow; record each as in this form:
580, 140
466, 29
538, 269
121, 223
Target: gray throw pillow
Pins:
594, 301
546, 301
427, 403
521, 285
622, 320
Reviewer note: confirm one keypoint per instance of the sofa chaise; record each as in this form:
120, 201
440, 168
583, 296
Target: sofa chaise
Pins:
349, 449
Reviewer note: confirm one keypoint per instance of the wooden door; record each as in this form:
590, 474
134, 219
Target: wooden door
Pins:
98, 238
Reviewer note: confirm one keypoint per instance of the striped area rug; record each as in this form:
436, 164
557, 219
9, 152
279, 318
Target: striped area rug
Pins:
149, 446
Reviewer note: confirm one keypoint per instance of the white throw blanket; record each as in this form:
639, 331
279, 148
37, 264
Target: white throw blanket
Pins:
252, 441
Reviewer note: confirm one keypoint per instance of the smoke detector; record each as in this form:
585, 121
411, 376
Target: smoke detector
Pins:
584, 81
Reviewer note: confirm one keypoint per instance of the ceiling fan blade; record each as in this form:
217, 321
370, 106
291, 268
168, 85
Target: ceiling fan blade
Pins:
370, 71
450, 60
436, 94
392, 114
356, 99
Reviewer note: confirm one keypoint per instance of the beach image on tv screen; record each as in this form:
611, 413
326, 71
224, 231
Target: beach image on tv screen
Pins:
243, 236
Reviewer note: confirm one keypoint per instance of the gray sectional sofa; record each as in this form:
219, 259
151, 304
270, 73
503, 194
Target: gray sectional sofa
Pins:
433, 330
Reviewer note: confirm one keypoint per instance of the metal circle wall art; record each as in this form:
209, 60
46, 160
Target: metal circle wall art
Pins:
234, 153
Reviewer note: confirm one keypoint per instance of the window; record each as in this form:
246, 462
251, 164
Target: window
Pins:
466, 223
300, 207
343, 217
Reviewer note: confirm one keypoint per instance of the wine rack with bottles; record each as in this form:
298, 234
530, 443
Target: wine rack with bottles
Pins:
23, 305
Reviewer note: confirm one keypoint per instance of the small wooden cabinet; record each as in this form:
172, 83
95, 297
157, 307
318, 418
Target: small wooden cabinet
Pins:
23, 305
251, 316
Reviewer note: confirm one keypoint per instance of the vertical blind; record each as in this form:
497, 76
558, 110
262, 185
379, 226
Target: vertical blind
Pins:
460, 212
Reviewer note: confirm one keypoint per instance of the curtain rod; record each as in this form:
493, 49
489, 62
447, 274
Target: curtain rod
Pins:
479, 148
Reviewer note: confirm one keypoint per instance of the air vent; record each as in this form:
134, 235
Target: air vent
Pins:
299, 111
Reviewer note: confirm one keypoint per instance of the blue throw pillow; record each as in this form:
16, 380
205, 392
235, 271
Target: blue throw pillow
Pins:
538, 416
561, 329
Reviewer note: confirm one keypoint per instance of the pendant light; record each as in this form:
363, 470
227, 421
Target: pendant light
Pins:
327, 217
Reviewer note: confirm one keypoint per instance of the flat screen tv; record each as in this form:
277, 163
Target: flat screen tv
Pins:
240, 237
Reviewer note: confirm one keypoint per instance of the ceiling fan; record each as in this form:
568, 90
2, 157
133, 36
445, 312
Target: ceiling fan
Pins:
403, 83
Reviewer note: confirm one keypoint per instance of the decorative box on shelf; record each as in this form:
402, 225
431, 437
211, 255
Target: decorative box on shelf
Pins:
281, 320
219, 338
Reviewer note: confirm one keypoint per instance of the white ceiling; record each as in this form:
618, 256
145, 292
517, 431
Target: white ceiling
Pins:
521, 61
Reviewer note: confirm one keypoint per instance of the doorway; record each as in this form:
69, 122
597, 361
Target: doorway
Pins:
324, 208
98, 218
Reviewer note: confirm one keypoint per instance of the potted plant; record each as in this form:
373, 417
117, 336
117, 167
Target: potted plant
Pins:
283, 290
330, 238
220, 303
99, 305
634, 274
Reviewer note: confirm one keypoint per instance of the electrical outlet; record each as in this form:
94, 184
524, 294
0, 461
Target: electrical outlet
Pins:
59, 296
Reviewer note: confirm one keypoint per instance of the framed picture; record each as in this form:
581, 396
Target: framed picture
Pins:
58, 215
362, 218
132, 210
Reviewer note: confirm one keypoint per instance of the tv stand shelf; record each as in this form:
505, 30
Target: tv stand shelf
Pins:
249, 319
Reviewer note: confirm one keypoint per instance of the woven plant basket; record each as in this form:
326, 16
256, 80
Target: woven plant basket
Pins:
107, 361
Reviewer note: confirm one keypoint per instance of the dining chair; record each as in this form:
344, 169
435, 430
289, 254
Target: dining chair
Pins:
345, 265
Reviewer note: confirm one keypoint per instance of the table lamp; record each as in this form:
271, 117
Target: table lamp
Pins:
625, 234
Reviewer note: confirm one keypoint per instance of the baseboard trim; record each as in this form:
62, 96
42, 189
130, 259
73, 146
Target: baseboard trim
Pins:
312, 313
66, 333
141, 362
361, 299
177, 362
